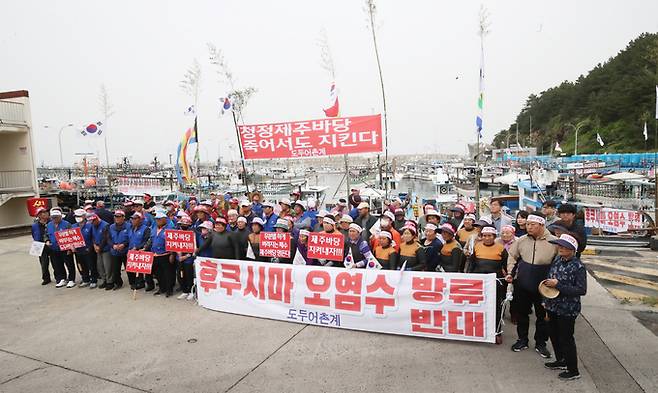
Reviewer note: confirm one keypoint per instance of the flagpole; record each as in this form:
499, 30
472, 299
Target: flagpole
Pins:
371, 13
237, 133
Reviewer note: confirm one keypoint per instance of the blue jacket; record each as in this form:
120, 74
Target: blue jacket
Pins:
257, 208
52, 228
85, 229
571, 282
158, 241
137, 237
269, 223
119, 235
39, 231
100, 235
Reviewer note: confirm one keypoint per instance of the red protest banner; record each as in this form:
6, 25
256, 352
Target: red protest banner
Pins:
275, 245
139, 261
179, 241
326, 246
312, 138
69, 239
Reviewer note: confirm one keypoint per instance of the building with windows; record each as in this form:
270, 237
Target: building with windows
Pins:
18, 174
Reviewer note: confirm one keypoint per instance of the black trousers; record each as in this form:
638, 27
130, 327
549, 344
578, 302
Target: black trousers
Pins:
63, 263
165, 273
501, 292
117, 262
561, 329
524, 302
83, 265
187, 277
44, 261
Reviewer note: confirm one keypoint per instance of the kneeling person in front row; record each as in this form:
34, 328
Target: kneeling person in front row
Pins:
568, 275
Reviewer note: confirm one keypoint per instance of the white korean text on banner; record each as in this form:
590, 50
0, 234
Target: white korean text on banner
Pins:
452, 306
613, 220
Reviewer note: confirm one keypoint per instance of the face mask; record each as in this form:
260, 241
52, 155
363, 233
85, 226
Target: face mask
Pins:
79, 219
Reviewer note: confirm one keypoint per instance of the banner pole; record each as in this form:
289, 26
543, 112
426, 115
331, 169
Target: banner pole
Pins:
237, 133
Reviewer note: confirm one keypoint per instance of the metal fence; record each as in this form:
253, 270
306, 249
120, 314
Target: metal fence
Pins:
12, 113
15, 181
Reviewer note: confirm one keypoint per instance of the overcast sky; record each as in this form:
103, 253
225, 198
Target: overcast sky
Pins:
63, 51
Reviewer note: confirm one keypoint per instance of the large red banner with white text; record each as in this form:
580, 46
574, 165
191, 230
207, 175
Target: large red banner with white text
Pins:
312, 138
454, 306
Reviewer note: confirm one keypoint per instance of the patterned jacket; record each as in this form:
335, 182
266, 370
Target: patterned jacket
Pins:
571, 282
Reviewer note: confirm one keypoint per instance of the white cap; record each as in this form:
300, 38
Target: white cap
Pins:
256, 220
386, 234
55, 213
80, 212
490, 230
311, 203
268, 204
322, 213
138, 202
284, 201
389, 215
363, 205
244, 203
304, 232
160, 214
346, 218
242, 219
329, 220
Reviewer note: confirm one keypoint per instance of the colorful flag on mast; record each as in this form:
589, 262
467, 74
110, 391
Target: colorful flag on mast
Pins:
333, 109
183, 172
479, 120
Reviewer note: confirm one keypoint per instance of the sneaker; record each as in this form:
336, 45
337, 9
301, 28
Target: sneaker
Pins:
93, 285
45, 282
109, 287
182, 296
569, 375
103, 285
71, 284
118, 286
190, 296
543, 351
83, 284
519, 345
556, 365
61, 283
156, 293
149, 288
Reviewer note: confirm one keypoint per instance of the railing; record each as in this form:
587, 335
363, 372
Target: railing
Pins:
12, 113
15, 181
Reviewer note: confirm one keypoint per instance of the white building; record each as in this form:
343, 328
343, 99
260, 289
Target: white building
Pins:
18, 174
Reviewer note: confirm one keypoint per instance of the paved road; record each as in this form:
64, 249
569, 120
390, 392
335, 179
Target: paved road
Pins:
82, 340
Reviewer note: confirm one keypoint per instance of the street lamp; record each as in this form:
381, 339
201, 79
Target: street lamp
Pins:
61, 158
576, 128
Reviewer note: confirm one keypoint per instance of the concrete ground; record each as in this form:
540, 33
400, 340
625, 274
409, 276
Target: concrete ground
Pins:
79, 340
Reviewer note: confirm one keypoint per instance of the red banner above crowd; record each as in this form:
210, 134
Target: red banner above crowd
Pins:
312, 138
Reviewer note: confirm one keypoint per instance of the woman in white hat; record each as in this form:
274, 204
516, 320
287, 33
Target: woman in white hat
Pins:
257, 226
411, 252
490, 256
357, 247
568, 275
385, 252
450, 257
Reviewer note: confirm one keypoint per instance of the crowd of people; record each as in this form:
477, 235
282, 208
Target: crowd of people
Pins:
532, 248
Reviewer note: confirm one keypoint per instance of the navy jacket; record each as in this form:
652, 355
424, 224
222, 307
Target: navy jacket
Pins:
571, 282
